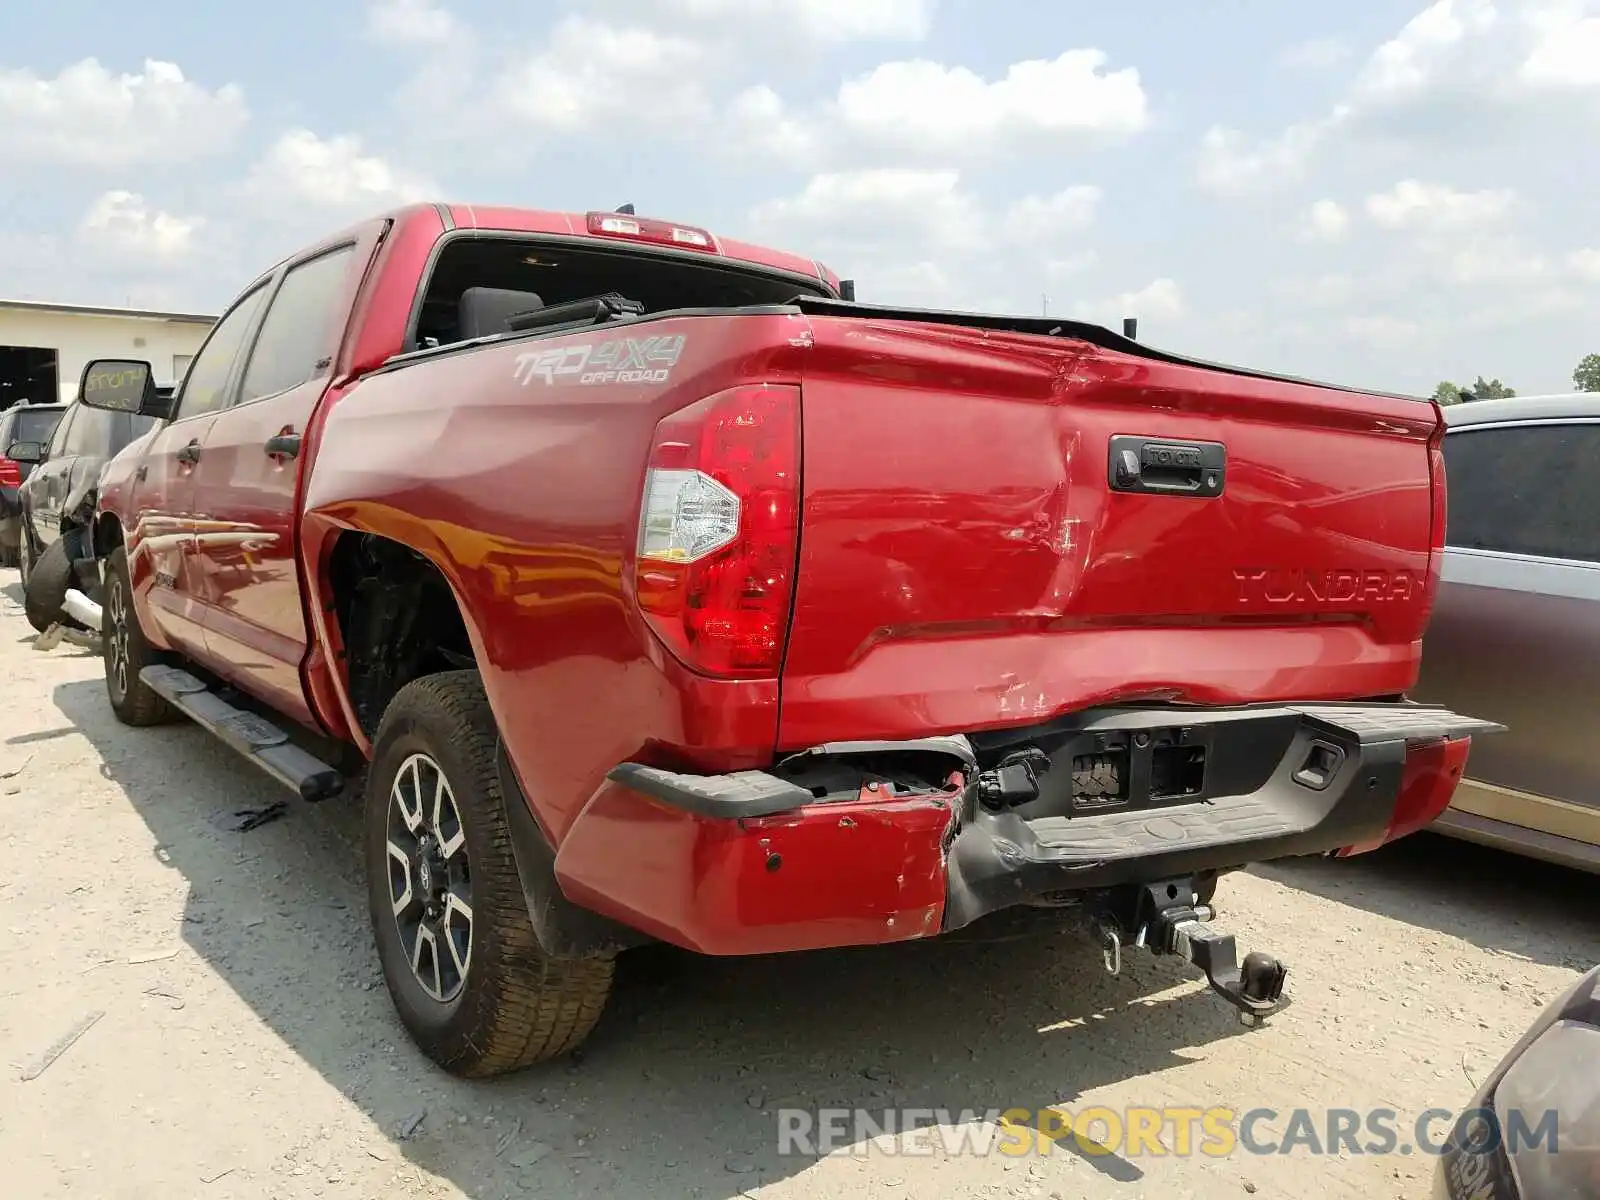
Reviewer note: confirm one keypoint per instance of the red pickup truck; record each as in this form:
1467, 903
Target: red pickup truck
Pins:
661, 591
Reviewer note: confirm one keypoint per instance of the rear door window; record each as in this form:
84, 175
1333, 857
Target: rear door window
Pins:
1525, 489
298, 335
91, 432
63, 430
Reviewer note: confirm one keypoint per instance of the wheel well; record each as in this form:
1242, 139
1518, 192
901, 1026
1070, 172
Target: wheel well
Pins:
107, 534
398, 619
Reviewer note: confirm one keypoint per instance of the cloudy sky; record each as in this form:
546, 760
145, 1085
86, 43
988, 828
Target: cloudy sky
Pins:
1375, 192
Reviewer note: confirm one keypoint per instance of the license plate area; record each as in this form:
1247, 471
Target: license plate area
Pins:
1119, 760
1125, 769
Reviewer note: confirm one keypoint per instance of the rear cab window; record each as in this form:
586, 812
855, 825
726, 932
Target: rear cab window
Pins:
548, 273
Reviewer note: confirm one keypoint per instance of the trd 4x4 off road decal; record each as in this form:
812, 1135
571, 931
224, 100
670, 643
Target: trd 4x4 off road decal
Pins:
626, 360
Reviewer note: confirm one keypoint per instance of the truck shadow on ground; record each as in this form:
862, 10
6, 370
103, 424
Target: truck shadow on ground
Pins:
1508, 902
679, 1091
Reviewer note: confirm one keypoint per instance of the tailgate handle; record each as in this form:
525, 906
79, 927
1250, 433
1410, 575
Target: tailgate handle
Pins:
1163, 466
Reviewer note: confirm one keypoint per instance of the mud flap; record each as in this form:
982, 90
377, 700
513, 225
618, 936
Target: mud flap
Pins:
564, 929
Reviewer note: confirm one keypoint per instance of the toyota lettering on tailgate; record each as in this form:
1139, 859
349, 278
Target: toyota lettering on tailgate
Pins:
625, 360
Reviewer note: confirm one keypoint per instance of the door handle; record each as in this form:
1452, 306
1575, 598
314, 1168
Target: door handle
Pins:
1159, 466
189, 453
283, 445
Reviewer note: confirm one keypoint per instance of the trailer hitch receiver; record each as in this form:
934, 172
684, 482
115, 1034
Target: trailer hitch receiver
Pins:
1166, 918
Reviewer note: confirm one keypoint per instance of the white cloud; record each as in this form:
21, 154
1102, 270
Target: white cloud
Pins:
1159, 300
759, 117
922, 237
929, 111
334, 174
1438, 80
1424, 49
1567, 55
123, 223
859, 212
1230, 163
417, 22
1317, 54
1436, 208
591, 70
1327, 221
824, 20
1585, 264
87, 116
1492, 261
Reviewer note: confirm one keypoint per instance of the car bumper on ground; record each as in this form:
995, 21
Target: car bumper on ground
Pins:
757, 862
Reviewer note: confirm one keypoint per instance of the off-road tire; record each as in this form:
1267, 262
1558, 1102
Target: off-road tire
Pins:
46, 588
516, 1006
121, 637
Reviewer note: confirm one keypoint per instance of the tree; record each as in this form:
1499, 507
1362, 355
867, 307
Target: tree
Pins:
1483, 389
1587, 376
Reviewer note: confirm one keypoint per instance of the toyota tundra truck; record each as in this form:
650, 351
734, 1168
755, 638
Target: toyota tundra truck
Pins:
651, 588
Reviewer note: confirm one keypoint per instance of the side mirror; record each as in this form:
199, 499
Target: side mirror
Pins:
119, 385
26, 452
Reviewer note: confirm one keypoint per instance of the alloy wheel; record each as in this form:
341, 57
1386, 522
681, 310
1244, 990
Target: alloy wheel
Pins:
116, 636
430, 878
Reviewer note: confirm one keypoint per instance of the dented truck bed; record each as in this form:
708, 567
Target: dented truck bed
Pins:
653, 589
823, 625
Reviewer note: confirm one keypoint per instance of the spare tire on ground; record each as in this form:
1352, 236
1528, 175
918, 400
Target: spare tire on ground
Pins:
46, 589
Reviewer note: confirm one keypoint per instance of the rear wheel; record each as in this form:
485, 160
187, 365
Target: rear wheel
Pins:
458, 950
126, 652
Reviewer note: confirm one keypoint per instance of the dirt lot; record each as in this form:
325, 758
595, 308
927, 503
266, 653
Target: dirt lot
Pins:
245, 1046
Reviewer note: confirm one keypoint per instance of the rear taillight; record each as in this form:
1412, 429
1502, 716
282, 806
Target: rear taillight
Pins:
10, 473
1428, 783
644, 229
719, 530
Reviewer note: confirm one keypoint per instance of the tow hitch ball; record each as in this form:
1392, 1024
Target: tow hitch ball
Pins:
1165, 918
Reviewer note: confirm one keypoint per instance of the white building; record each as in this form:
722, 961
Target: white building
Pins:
43, 347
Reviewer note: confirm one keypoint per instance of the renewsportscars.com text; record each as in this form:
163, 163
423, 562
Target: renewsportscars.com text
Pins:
1168, 1131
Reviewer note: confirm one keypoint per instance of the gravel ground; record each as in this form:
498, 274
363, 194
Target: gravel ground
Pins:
245, 1047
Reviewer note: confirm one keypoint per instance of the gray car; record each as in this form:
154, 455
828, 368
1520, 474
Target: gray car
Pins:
1515, 635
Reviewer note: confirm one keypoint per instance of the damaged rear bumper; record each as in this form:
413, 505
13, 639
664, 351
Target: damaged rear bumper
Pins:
863, 842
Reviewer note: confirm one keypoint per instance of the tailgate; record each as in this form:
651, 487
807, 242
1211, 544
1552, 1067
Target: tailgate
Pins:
998, 528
